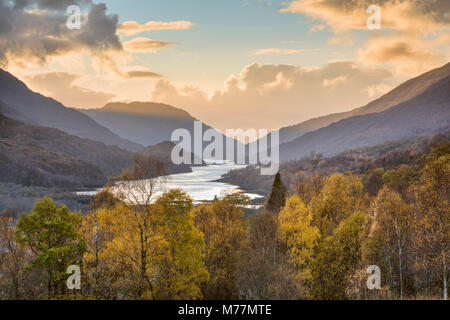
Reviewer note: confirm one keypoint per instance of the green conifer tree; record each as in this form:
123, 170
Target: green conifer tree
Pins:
277, 197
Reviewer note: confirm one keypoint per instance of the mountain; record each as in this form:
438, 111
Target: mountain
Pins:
146, 123
422, 113
24, 105
48, 157
163, 151
38, 156
404, 92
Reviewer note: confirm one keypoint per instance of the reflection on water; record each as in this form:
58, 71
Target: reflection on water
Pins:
199, 184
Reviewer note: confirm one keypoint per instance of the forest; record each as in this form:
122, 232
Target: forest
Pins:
318, 234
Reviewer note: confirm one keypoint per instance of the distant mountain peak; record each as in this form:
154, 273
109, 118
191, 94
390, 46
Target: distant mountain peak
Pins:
146, 108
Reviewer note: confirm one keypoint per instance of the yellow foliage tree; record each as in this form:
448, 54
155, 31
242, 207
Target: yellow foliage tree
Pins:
301, 237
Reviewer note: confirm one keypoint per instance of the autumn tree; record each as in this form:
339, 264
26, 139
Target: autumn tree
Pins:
390, 237
338, 258
432, 232
400, 179
13, 259
301, 238
340, 197
137, 188
224, 230
51, 233
181, 269
264, 266
309, 186
100, 273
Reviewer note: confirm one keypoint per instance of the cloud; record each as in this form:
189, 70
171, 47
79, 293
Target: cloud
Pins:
62, 87
145, 45
404, 15
344, 40
408, 56
410, 29
130, 28
35, 30
279, 51
269, 96
317, 28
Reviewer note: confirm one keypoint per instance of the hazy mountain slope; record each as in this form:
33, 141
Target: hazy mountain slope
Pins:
33, 108
32, 155
292, 132
146, 123
425, 114
401, 93
163, 151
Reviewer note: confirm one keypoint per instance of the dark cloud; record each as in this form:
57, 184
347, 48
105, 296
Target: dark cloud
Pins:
36, 29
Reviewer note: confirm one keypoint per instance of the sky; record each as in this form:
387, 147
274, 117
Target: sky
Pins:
232, 64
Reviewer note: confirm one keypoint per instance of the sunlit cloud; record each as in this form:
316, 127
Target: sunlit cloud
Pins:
317, 28
145, 45
280, 51
410, 39
62, 86
279, 94
130, 28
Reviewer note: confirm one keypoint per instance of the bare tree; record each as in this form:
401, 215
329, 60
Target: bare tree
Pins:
138, 187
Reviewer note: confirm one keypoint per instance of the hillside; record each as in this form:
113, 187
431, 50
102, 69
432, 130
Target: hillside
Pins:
146, 123
424, 114
31, 155
404, 92
387, 155
22, 104
163, 151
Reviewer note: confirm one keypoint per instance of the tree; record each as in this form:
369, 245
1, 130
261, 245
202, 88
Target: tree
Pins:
174, 249
277, 197
103, 200
374, 182
224, 231
392, 233
399, 180
308, 187
338, 258
181, 269
301, 238
341, 196
433, 217
264, 266
50, 232
137, 187
13, 258
101, 274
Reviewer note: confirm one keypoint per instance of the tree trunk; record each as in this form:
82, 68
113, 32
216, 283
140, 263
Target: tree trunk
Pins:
400, 268
445, 277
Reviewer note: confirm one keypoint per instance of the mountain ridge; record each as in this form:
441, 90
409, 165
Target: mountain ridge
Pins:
22, 104
403, 92
407, 119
